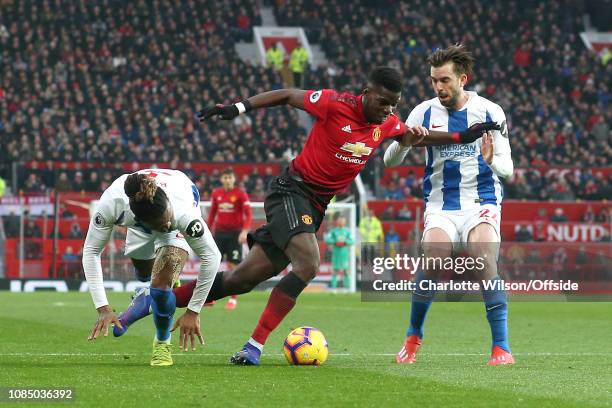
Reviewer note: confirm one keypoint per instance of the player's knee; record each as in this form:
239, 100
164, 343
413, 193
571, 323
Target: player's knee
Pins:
435, 256
236, 283
167, 266
307, 269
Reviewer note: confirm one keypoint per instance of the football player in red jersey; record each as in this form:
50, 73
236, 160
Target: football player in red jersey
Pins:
347, 130
230, 219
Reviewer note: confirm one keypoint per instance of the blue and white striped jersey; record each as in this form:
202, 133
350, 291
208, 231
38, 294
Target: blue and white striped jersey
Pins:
456, 176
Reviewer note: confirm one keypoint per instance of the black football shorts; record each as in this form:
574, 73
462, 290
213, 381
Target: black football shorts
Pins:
289, 211
227, 242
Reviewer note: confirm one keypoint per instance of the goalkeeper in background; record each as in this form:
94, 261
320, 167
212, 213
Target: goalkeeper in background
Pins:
341, 240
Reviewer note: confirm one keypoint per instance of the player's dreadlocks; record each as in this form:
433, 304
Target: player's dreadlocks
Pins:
147, 201
458, 54
386, 77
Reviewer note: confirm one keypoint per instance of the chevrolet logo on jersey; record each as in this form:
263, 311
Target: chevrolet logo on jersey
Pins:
357, 149
226, 206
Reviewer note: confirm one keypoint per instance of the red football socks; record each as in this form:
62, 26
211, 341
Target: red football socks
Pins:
279, 305
184, 292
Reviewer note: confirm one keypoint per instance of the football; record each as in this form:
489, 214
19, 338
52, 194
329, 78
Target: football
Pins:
305, 346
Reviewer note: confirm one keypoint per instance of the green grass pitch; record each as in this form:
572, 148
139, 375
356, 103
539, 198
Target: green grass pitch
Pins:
563, 353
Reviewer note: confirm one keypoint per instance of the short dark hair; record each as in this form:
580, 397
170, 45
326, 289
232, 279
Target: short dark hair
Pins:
147, 201
458, 54
386, 77
229, 171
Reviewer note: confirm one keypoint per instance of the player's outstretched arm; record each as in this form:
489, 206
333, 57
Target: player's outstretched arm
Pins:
418, 136
200, 240
293, 97
467, 136
97, 237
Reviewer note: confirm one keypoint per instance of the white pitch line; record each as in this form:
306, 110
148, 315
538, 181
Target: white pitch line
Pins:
280, 354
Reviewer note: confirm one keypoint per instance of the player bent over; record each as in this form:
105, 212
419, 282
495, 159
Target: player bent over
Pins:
161, 209
462, 192
230, 219
347, 130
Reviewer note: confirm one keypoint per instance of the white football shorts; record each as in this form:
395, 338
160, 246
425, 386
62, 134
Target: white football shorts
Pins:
458, 224
140, 245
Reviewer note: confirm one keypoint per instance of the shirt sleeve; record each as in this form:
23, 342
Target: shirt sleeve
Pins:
201, 241
98, 235
247, 213
502, 164
317, 103
396, 153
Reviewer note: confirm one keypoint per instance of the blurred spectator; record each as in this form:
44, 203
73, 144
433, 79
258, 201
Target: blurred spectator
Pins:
298, 62
11, 225
75, 231
69, 255
540, 234
63, 184
558, 216
32, 184
589, 215
372, 235
70, 264
534, 263
275, 57
392, 240
93, 183
77, 183
582, 258
404, 214
31, 230
523, 234
603, 215
388, 214
65, 213
558, 259
393, 192
516, 254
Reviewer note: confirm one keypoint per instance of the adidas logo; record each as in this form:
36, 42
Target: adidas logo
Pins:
347, 129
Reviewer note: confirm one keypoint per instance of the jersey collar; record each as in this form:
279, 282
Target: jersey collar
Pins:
360, 109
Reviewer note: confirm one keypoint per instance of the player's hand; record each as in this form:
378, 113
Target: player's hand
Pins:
189, 324
486, 149
414, 135
475, 131
225, 112
242, 238
106, 317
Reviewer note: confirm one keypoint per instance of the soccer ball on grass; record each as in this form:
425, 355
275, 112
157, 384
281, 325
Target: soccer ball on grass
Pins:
305, 346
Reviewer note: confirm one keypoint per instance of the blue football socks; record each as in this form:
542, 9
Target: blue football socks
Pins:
421, 300
496, 304
163, 305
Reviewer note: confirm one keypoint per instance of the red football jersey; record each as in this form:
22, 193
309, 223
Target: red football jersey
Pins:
230, 209
341, 140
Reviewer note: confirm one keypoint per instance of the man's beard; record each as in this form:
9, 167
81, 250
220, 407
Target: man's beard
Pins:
449, 103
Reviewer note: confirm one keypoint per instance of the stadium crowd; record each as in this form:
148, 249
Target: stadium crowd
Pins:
113, 81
